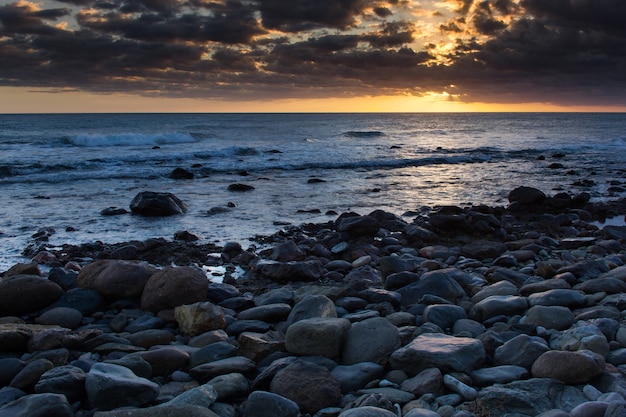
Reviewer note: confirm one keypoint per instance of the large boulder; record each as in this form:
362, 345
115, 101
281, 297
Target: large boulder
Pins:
570, 367
23, 294
527, 196
174, 286
371, 340
116, 279
112, 386
448, 353
38, 405
152, 204
310, 386
317, 336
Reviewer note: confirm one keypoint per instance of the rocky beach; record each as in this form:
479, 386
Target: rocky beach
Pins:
464, 311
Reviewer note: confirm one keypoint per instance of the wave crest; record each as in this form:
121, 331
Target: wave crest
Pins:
128, 139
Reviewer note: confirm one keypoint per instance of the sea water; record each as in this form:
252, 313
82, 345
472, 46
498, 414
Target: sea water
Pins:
59, 171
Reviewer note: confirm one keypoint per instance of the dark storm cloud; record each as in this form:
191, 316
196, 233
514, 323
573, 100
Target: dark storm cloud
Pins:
561, 51
299, 15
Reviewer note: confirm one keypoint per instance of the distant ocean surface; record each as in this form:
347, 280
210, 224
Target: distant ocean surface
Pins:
60, 171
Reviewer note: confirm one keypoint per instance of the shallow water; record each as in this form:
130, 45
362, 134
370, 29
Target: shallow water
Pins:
60, 171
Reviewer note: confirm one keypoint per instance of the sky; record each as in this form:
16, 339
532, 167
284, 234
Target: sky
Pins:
312, 55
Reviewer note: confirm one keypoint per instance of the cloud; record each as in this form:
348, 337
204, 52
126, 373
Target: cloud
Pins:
561, 51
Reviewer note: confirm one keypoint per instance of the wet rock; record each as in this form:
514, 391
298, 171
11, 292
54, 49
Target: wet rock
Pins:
310, 386
236, 364
22, 294
521, 350
371, 340
268, 404
312, 306
198, 318
354, 377
558, 297
164, 359
444, 315
502, 374
570, 367
498, 305
38, 405
238, 187
116, 279
358, 225
550, 317
267, 313
440, 283
367, 411
67, 380
447, 353
111, 386
430, 380
290, 271
213, 352
181, 174
174, 286
153, 204
527, 196
317, 336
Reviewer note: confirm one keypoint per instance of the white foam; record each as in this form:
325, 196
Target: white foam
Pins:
130, 139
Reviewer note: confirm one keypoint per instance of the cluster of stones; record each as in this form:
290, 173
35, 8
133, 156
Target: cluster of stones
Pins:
464, 312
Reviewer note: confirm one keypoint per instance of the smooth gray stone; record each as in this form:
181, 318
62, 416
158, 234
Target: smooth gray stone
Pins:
268, 404
354, 377
558, 297
67, 380
268, 313
38, 405
160, 411
498, 375
312, 306
371, 340
367, 411
112, 386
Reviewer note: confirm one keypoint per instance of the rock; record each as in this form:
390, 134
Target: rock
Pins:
38, 405
558, 297
317, 336
230, 385
138, 365
268, 404
608, 285
61, 316
529, 397
502, 374
439, 283
213, 352
290, 271
67, 380
202, 396
527, 196
9, 394
24, 269
371, 340
570, 367
236, 364
257, 346
460, 388
31, 373
503, 287
287, 251
111, 386
354, 377
310, 386
581, 336
84, 300
160, 411
237, 187
312, 306
550, 317
152, 204
367, 411
590, 409
151, 337
270, 313
9, 367
430, 380
165, 359
444, 315
587, 269
483, 249
496, 305
358, 225
197, 318
116, 279
447, 353
174, 286
23, 294
181, 174
522, 350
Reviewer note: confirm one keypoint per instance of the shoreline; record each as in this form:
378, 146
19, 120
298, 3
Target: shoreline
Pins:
465, 311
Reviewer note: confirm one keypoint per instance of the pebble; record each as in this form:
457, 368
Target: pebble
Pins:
464, 312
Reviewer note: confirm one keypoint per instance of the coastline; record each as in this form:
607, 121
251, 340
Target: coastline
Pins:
516, 289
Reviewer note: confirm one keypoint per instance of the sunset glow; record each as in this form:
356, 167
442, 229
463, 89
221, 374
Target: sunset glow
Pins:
311, 55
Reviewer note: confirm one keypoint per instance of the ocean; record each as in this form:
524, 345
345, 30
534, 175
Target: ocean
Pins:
59, 171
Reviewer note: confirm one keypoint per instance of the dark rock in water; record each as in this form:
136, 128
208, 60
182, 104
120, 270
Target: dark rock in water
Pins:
315, 181
218, 210
527, 196
152, 204
240, 187
181, 174
113, 211
21, 294
38, 405
185, 236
